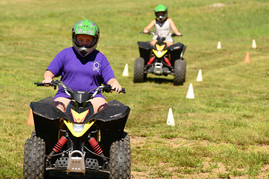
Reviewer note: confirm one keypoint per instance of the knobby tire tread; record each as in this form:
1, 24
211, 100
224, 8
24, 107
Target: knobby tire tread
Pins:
180, 71
139, 70
34, 158
120, 159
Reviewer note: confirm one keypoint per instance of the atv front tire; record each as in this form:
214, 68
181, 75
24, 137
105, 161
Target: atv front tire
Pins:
120, 158
180, 71
139, 75
34, 158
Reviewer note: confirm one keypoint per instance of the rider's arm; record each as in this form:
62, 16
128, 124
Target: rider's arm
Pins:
173, 26
115, 84
48, 76
146, 30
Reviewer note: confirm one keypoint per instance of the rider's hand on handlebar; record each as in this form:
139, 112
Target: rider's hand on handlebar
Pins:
115, 85
47, 80
177, 34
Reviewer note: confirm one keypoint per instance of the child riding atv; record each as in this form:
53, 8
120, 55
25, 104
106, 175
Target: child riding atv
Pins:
161, 56
163, 25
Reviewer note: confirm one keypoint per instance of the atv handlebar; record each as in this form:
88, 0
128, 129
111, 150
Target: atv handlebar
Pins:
175, 35
152, 33
105, 88
149, 32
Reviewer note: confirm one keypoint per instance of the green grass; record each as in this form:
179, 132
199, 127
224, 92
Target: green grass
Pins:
223, 132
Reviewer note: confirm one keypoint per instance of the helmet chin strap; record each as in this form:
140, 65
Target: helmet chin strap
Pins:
162, 19
83, 51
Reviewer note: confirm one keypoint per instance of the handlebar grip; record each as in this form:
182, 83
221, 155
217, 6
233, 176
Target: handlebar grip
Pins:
107, 88
149, 32
175, 35
39, 84
44, 84
123, 90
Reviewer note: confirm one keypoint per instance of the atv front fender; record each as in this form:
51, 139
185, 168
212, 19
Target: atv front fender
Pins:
46, 118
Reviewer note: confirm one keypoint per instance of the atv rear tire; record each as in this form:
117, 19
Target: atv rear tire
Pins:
34, 158
139, 75
120, 158
180, 71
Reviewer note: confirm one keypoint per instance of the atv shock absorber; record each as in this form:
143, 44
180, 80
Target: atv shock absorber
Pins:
95, 146
58, 146
98, 150
151, 60
167, 61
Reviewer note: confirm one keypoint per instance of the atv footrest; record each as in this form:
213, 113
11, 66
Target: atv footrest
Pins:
61, 163
92, 163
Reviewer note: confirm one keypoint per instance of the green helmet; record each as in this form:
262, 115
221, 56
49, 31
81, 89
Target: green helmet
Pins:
161, 12
86, 27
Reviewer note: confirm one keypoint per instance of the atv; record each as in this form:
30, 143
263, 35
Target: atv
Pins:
160, 60
78, 142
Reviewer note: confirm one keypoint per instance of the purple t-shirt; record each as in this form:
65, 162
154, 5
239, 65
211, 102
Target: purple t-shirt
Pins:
81, 73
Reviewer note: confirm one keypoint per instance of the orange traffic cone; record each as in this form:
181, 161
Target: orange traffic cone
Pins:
247, 58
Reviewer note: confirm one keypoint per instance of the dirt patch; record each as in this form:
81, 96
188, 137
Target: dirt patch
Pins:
210, 169
217, 5
136, 141
139, 175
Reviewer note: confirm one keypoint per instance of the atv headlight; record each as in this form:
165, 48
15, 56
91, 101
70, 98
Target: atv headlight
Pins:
78, 127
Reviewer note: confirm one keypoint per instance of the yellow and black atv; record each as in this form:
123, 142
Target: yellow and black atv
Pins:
78, 142
160, 60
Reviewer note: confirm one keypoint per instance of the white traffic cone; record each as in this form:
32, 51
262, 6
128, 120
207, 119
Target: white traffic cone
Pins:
190, 94
254, 44
170, 119
199, 76
219, 45
125, 71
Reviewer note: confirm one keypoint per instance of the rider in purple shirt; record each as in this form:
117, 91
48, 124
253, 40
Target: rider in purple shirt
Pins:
81, 73
81, 67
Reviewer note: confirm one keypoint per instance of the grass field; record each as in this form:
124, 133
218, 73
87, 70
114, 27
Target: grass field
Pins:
222, 133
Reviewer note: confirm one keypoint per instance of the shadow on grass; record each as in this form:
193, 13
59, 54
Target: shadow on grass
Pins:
87, 176
159, 80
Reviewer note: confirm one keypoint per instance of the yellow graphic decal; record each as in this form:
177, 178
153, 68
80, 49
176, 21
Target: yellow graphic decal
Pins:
160, 48
79, 117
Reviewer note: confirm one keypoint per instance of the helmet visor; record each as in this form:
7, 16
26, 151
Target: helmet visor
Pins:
160, 14
84, 40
